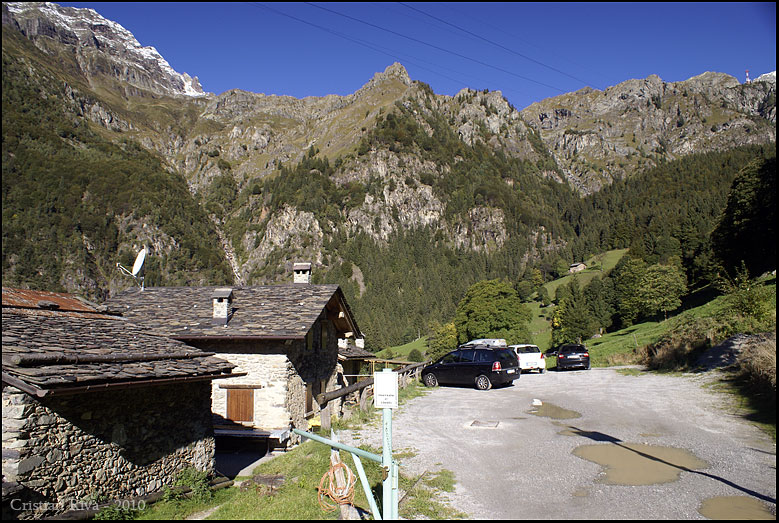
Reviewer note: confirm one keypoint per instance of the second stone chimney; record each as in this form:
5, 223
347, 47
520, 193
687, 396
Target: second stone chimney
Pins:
302, 272
222, 300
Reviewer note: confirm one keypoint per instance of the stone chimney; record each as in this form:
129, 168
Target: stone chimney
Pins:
222, 300
302, 272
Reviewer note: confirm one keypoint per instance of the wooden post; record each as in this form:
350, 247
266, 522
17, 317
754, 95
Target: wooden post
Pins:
346, 511
324, 416
364, 399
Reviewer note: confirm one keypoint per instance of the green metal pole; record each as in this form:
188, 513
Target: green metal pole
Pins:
340, 446
395, 467
366, 487
386, 462
389, 466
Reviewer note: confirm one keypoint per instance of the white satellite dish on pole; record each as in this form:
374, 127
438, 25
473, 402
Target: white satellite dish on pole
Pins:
138, 265
137, 272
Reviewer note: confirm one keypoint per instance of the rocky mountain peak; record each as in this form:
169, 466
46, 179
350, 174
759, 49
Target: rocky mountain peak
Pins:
393, 72
96, 39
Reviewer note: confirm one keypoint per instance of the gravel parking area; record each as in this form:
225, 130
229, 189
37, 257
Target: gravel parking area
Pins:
515, 460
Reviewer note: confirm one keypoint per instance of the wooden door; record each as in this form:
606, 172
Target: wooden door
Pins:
240, 404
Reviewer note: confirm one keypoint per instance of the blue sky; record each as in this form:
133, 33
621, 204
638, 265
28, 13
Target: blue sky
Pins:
529, 51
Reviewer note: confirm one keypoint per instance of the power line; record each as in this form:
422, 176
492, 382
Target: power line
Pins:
494, 43
513, 36
382, 50
435, 47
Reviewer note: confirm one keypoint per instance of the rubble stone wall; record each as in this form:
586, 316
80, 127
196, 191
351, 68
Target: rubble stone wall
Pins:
281, 373
62, 451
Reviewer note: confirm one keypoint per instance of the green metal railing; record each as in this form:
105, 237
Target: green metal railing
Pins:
389, 466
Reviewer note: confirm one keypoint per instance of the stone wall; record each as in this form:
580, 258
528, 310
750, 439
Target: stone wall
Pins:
267, 373
281, 372
70, 449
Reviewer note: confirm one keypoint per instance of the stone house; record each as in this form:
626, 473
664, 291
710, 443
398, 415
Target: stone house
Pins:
283, 338
576, 267
94, 407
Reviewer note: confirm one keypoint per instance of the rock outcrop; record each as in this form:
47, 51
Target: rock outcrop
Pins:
599, 136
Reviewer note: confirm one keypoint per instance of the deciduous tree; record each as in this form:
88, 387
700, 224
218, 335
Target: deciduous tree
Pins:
661, 288
492, 309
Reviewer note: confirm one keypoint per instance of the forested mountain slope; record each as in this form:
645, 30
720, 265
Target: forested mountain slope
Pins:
402, 196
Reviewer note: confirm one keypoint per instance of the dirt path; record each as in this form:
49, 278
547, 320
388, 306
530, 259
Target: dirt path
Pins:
513, 461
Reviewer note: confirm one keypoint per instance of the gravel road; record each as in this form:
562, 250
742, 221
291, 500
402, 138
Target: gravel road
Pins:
514, 460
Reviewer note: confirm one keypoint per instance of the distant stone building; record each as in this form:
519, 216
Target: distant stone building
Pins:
284, 338
95, 407
576, 267
352, 356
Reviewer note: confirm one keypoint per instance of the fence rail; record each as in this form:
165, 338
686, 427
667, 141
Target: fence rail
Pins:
406, 375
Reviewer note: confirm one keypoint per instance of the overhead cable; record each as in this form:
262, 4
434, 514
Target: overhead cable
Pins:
494, 43
435, 47
372, 47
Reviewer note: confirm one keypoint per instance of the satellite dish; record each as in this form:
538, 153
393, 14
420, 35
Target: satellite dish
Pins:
139, 261
137, 267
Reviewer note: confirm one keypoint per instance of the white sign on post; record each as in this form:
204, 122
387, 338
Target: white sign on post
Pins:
385, 390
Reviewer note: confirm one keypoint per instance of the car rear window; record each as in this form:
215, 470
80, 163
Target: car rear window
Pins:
572, 348
506, 357
528, 350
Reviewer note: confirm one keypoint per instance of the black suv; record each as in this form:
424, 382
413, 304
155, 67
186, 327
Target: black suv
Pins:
573, 355
479, 366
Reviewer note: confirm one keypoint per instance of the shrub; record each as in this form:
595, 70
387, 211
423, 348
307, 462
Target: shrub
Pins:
114, 512
681, 346
757, 363
749, 305
196, 480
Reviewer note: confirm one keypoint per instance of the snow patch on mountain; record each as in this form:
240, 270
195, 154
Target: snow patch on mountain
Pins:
768, 77
93, 30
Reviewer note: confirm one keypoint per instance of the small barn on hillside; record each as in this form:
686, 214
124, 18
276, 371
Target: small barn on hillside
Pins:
283, 337
95, 407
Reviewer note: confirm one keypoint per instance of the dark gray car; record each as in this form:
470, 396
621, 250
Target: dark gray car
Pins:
573, 356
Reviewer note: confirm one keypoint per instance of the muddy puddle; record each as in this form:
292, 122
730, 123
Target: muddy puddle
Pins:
639, 464
549, 410
735, 507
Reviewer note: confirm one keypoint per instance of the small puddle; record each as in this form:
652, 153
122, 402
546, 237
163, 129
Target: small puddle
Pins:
735, 507
639, 464
549, 410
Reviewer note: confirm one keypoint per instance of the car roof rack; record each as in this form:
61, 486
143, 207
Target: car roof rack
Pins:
490, 343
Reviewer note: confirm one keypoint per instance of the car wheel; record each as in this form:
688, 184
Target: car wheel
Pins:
483, 383
541, 371
430, 380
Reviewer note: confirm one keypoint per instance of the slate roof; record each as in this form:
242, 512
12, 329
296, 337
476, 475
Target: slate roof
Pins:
352, 352
258, 312
55, 342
